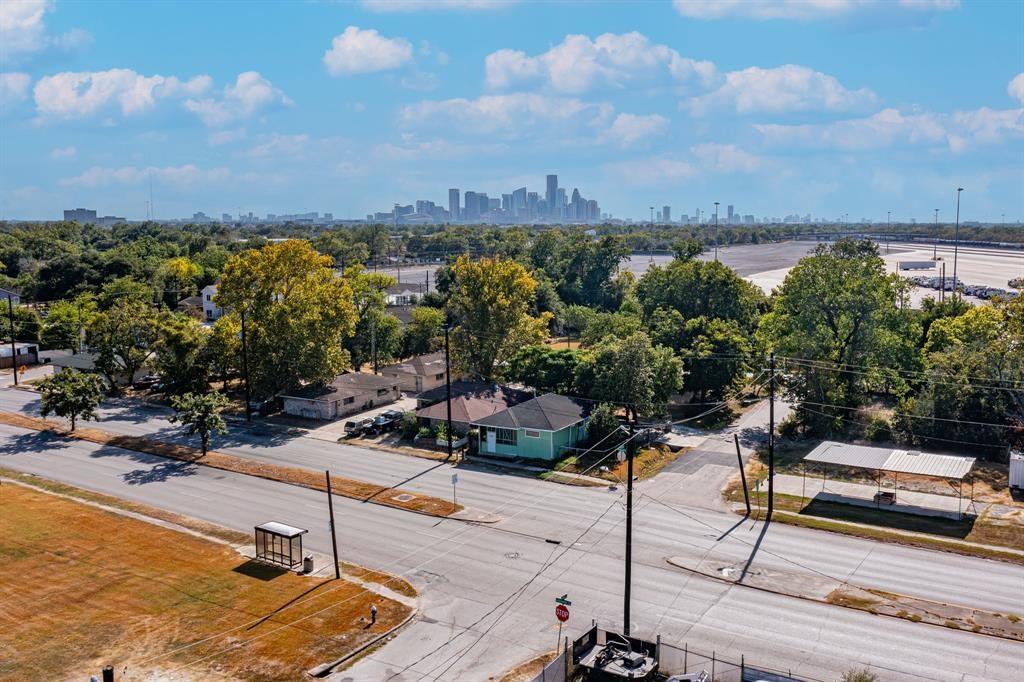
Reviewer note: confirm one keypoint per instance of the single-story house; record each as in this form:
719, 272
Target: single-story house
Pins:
24, 354
404, 294
347, 394
211, 311
470, 401
85, 361
418, 374
540, 428
191, 305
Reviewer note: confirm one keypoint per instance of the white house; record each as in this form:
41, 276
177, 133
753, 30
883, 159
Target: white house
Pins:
347, 394
404, 294
211, 311
418, 374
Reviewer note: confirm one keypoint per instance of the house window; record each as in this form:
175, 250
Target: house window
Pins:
348, 401
439, 376
532, 434
505, 436
208, 297
383, 391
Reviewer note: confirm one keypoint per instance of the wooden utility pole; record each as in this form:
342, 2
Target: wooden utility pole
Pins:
448, 389
771, 435
245, 370
334, 536
14, 346
630, 449
743, 475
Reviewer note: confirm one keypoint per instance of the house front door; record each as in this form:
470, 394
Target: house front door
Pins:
492, 440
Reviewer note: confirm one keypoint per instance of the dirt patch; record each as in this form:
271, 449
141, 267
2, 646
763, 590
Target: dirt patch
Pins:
346, 487
96, 588
647, 462
526, 671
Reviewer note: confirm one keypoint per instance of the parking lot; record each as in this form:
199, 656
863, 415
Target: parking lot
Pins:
335, 430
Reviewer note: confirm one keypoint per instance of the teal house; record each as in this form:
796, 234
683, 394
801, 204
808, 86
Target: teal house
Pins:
541, 428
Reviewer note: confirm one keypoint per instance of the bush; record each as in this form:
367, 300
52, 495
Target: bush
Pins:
441, 432
410, 425
790, 427
603, 422
859, 675
424, 432
877, 428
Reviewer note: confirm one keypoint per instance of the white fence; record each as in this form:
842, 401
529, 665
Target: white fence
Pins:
555, 671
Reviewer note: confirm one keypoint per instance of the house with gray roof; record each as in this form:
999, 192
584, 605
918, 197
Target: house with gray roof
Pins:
347, 394
544, 428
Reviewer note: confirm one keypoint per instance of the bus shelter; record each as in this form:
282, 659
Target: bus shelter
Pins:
279, 544
895, 462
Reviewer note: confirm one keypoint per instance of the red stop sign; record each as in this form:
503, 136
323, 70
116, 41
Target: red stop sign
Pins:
562, 612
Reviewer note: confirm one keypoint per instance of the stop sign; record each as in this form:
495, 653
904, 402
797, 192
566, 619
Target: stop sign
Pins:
562, 612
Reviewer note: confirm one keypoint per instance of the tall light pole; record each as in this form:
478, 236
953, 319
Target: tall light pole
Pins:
888, 228
935, 241
956, 239
716, 230
652, 233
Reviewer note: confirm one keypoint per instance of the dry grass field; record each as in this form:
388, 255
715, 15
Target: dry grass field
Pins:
82, 587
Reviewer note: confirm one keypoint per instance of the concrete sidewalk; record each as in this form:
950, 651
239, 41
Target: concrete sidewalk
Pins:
863, 495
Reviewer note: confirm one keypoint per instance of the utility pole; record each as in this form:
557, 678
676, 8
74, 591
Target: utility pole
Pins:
373, 340
888, 229
245, 370
771, 435
14, 346
630, 448
334, 537
652, 234
448, 389
956, 241
935, 240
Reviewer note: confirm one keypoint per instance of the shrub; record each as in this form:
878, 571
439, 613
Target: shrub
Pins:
790, 427
410, 425
859, 675
424, 432
877, 428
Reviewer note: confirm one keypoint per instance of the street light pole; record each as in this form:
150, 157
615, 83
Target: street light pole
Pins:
956, 240
14, 346
245, 370
888, 229
716, 230
935, 240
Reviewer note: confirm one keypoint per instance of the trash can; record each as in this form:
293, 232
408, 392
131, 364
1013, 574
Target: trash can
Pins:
307, 564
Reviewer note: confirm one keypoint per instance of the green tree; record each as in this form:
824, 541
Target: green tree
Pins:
67, 321
586, 270
200, 413
369, 294
124, 289
630, 372
490, 300
27, 324
715, 356
544, 368
122, 338
177, 277
687, 249
71, 394
180, 354
425, 331
698, 289
603, 422
297, 314
837, 311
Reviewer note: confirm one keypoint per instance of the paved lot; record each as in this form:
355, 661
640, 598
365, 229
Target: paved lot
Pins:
487, 591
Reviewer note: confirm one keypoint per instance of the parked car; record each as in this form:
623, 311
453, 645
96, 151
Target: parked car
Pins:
356, 427
387, 421
148, 381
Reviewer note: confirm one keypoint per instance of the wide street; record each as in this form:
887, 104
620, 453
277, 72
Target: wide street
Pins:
487, 590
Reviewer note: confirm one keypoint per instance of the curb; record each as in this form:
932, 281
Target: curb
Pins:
325, 669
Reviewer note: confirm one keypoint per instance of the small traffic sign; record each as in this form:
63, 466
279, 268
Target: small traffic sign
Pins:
455, 478
564, 599
562, 613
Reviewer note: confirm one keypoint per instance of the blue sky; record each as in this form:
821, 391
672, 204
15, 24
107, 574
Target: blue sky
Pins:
824, 106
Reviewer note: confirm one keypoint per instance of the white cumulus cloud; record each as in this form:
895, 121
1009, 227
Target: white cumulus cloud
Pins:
781, 89
614, 61
812, 10
182, 176
726, 158
75, 94
250, 94
357, 51
63, 153
1016, 88
23, 30
13, 86
278, 145
629, 129
890, 127
657, 172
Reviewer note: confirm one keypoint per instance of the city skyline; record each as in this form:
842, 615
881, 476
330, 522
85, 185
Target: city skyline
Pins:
641, 105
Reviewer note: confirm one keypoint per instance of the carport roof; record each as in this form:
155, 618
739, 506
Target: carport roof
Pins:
888, 459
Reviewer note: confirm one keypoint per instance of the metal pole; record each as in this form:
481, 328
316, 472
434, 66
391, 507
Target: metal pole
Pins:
935, 241
630, 447
652, 234
448, 389
334, 538
956, 239
245, 370
373, 341
108, 673
771, 435
743, 475
942, 289
14, 347
716, 230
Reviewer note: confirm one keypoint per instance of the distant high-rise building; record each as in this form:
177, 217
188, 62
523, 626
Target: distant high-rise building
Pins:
729, 210
532, 201
519, 202
577, 207
593, 210
225, 217
560, 203
666, 214
472, 206
453, 203
81, 215
506, 202
494, 204
549, 195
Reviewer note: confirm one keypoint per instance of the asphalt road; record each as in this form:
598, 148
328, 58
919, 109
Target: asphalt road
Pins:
487, 591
